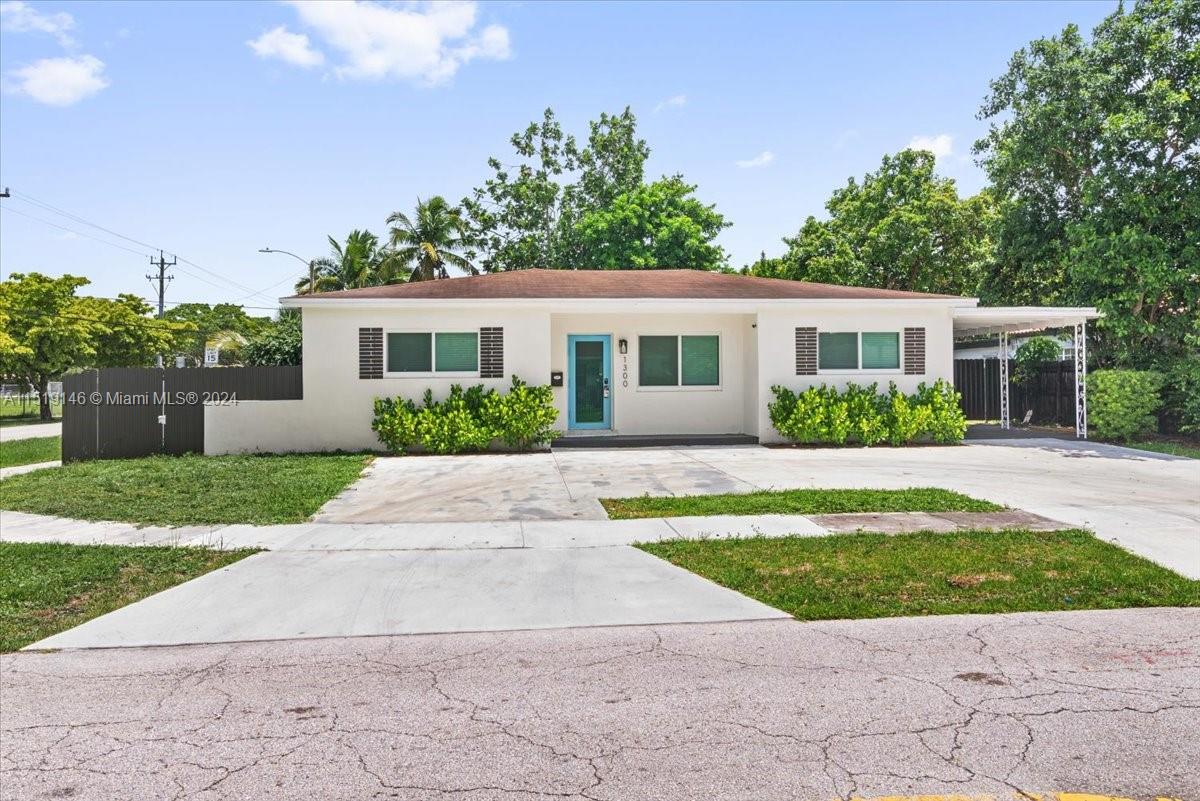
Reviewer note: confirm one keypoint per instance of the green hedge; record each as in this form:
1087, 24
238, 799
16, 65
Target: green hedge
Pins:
467, 420
865, 416
1122, 404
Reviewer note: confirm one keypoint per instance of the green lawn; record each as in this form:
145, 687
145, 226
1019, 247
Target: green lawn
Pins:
876, 575
182, 490
15, 412
46, 588
30, 451
800, 502
1170, 448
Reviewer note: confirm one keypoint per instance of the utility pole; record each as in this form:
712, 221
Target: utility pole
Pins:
162, 264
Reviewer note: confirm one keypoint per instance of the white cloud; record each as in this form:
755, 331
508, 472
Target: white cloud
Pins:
761, 160
420, 41
940, 146
675, 101
59, 81
294, 48
18, 16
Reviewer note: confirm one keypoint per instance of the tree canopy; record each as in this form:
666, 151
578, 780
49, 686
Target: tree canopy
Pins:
902, 227
434, 237
49, 330
566, 204
1094, 148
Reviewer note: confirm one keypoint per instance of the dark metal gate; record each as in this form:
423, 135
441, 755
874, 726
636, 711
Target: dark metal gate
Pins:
1049, 394
124, 412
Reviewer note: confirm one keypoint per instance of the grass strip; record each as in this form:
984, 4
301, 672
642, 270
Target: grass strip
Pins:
187, 490
46, 588
1169, 448
877, 575
30, 451
797, 501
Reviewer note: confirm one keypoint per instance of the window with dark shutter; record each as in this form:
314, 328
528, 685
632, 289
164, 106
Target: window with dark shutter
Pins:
806, 351
370, 353
914, 351
491, 352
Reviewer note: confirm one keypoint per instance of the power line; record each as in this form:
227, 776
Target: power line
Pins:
75, 217
73, 231
120, 247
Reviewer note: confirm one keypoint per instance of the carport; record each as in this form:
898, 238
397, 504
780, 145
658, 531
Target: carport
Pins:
1006, 320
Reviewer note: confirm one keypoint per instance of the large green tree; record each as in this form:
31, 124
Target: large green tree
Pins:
553, 205
901, 227
1094, 147
224, 322
49, 330
435, 236
655, 225
279, 343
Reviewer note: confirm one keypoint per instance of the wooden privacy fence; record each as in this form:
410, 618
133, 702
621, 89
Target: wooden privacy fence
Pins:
123, 412
1050, 393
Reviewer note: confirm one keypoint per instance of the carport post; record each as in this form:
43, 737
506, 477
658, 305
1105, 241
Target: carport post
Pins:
1004, 416
1081, 379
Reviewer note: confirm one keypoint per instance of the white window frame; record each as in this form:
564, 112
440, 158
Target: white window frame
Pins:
860, 370
433, 332
681, 387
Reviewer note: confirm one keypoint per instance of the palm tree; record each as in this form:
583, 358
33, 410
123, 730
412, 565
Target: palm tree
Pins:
359, 262
436, 239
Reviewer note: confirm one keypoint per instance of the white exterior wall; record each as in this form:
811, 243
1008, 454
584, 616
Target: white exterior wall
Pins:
658, 410
757, 351
338, 406
777, 347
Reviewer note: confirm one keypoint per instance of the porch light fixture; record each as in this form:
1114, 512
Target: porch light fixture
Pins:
623, 345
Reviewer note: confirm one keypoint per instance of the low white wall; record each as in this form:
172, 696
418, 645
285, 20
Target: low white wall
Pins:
636, 410
777, 348
255, 427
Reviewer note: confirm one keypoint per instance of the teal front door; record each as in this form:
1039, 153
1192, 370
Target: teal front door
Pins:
589, 379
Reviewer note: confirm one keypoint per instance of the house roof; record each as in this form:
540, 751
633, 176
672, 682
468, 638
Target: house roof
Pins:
593, 284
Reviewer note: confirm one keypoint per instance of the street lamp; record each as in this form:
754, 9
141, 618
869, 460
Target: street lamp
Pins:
312, 265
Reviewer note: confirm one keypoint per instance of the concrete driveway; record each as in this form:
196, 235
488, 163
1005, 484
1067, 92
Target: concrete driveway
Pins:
1148, 503
967, 706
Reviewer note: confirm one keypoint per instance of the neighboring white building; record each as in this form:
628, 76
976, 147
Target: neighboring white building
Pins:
990, 350
642, 352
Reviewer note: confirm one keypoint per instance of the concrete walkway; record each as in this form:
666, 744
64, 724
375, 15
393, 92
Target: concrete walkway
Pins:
10, 433
1148, 503
17, 470
1004, 707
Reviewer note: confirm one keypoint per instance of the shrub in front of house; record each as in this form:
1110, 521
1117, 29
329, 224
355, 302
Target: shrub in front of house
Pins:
1122, 404
861, 415
468, 420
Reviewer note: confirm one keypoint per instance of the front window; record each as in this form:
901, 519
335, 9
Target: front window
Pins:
679, 361
852, 350
424, 353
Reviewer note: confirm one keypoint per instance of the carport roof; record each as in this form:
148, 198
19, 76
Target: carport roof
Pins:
1018, 319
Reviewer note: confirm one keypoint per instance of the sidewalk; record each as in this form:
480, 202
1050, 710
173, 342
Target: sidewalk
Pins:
23, 527
10, 433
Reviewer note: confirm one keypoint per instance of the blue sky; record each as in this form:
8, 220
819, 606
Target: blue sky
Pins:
213, 129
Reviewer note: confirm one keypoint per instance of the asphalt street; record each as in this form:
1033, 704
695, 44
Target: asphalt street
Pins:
1096, 702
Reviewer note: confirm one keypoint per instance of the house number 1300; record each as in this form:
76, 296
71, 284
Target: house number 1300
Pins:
624, 371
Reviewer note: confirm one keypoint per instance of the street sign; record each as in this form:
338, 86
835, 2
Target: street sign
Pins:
212, 356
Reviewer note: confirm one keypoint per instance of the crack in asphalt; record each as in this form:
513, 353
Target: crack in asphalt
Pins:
774, 709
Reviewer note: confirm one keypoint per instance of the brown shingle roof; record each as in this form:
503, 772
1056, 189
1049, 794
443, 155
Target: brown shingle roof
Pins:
663, 284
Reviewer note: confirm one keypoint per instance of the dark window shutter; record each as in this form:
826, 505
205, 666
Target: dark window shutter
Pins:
914, 351
370, 353
491, 352
806, 351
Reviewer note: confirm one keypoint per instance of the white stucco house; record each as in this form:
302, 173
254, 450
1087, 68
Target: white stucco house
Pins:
638, 352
